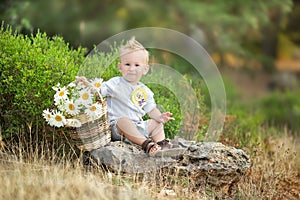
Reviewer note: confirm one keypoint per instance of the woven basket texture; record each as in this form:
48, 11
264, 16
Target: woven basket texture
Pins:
93, 133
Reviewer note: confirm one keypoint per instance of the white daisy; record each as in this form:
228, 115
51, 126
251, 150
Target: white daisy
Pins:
80, 86
61, 94
96, 83
56, 88
73, 123
94, 110
61, 105
72, 84
57, 119
71, 107
47, 115
85, 97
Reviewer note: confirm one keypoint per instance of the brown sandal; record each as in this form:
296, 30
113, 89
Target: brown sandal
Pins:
165, 144
150, 147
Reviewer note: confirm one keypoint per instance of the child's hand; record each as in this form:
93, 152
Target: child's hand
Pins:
83, 80
165, 117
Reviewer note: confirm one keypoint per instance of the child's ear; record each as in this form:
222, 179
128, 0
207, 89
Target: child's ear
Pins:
119, 66
146, 69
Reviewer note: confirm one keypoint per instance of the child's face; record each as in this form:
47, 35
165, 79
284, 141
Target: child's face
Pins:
133, 65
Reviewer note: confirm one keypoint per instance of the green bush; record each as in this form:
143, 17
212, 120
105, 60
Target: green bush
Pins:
167, 101
30, 66
242, 121
282, 109
242, 127
101, 64
175, 96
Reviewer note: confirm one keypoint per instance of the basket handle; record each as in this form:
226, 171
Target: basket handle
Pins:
100, 96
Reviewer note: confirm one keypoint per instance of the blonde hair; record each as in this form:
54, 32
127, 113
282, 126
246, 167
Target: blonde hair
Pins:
131, 46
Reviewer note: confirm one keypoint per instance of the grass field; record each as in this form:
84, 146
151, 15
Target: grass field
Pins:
275, 174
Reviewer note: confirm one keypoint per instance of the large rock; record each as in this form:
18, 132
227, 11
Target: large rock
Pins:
209, 162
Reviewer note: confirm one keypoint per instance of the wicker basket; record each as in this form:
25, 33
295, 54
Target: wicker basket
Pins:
93, 133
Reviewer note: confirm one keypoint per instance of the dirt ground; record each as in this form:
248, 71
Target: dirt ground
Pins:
251, 85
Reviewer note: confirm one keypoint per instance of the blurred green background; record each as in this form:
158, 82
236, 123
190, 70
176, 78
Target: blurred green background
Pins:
247, 28
255, 44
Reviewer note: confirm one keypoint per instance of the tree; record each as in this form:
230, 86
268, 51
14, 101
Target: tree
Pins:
235, 27
292, 28
239, 27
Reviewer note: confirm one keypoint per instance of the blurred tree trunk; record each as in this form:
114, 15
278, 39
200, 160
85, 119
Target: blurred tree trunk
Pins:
270, 34
292, 29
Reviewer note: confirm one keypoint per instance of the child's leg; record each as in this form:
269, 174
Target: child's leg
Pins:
128, 129
156, 130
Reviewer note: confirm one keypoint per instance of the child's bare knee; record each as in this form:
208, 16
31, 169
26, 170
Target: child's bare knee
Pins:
123, 120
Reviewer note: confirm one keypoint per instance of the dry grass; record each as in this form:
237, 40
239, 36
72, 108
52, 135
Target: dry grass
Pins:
275, 171
275, 174
21, 180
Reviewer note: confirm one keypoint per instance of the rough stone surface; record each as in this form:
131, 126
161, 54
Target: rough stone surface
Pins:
209, 162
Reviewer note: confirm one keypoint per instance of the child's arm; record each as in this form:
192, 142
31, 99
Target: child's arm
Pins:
83, 80
160, 117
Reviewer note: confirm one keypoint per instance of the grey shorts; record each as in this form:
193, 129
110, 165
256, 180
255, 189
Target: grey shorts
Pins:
142, 127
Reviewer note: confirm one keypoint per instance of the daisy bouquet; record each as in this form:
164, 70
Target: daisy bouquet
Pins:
75, 99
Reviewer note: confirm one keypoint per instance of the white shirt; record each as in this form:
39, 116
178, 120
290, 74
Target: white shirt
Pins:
119, 101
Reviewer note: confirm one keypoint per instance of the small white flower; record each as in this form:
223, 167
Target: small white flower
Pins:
71, 107
56, 88
47, 115
85, 97
70, 100
81, 86
61, 94
57, 119
61, 105
94, 110
96, 83
72, 84
73, 123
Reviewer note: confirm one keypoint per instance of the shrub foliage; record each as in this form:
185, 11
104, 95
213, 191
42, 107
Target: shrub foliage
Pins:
282, 109
32, 65
29, 67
